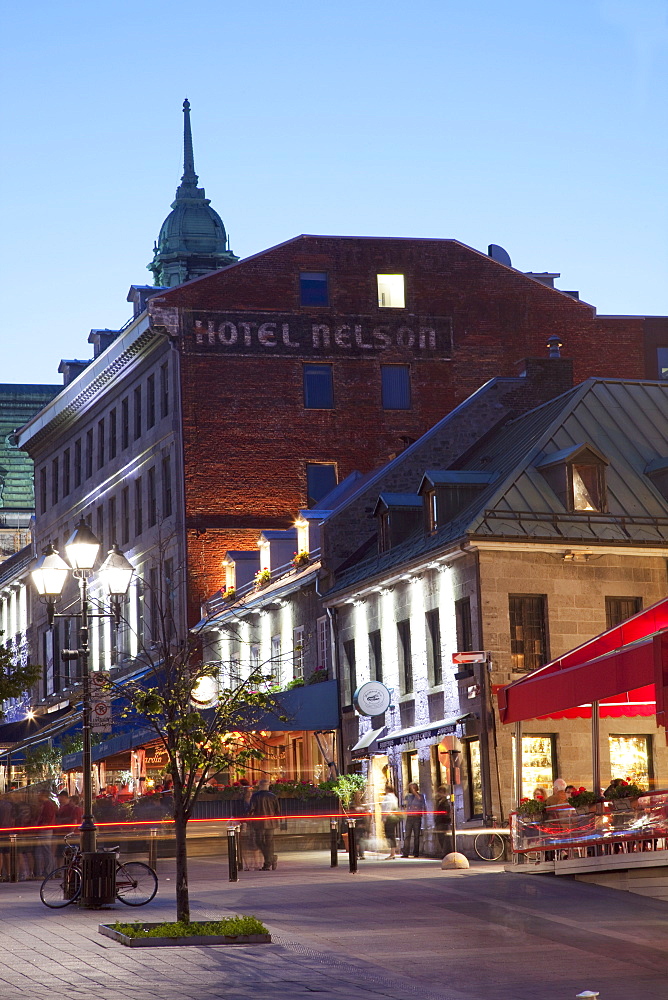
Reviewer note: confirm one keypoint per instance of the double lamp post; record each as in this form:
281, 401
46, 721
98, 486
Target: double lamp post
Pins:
49, 577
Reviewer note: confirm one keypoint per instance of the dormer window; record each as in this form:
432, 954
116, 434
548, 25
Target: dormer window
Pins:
399, 516
577, 476
447, 493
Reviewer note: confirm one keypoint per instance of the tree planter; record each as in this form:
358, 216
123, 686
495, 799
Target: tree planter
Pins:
622, 805
170, 942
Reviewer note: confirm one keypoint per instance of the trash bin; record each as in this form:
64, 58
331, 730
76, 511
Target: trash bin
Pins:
98, 878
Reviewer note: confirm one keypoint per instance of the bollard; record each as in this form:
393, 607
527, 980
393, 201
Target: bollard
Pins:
352, 847
153, 848
334, 843
13, 859
232, 853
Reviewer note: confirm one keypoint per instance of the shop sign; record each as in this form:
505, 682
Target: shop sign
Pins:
100, 702
372, 698
155, 757
290, 334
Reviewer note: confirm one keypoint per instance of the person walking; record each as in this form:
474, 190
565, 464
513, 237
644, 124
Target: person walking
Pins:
249, 851
415, 806
264, 806
46, 820
442, 818
389, 809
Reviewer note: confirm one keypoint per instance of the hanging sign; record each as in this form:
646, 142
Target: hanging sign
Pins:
100, 702
372, 698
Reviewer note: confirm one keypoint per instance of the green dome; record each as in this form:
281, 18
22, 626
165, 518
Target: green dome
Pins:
192, 240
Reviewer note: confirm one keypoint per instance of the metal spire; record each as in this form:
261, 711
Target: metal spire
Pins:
189, 175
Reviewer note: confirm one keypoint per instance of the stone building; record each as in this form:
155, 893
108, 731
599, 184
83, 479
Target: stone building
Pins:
542, 532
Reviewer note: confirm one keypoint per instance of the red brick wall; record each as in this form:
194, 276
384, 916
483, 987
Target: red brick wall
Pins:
246, 432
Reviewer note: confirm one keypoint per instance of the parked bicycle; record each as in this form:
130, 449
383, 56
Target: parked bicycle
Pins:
136, 883
490, 844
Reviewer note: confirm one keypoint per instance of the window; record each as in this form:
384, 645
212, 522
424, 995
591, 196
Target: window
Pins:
473, 777
137, 395
77, 462
152, 515
349, 671
139, 526
54, 481
618, 609
631, 759
313, 290
89, 453
434, 658
100, 527
405, 658
318, 387
112, 433
320, 480
528, 631
662, 361
391, 291
42, 491
170, 625
164, 390
588, 487
463, 624
125, 423
67, 486
150, 401
125, 515
298, 652
276, 664
384, 532
166, 486
396, 387
100, 444
323, 643
112, 520
539, 762
431, 510
375, 656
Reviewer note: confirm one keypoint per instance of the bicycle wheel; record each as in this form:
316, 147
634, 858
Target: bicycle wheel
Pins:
61, 887
489, 846
136, 883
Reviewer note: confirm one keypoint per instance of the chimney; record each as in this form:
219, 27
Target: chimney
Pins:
549, 376
71, 369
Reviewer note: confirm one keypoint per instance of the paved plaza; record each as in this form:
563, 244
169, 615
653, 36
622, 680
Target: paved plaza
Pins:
398, 930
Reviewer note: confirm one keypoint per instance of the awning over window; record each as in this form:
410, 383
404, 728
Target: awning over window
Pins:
431, 730
366, 745
625, 659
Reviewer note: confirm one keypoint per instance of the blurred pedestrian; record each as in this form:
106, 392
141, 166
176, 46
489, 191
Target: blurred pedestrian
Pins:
389, 808
416, 807
45, 822
265, 809
250, 854
442, 818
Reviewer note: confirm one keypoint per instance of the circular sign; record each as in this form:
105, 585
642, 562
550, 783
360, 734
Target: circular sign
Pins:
372, 698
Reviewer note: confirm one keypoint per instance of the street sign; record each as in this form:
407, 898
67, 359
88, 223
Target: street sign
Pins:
100, 701
477, 656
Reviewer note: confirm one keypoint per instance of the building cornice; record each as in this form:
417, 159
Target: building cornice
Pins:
121, 355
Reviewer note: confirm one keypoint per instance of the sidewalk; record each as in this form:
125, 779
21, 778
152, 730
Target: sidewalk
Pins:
398, 930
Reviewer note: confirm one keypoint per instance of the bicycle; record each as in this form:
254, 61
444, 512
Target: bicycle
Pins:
490, 845
136, 883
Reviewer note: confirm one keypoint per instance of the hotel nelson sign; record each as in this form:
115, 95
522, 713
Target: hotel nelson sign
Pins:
289, 334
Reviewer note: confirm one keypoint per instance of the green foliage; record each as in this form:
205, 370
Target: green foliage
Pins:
15, 679
345, 786
531, 808
44, 761
227, 927
318, 675
625, 790
298, 682
584, 798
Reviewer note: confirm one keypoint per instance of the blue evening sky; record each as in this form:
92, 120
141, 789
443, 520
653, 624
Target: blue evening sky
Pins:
538, 126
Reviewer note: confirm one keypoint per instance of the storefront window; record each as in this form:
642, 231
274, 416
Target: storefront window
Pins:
538, 763
474, 777
631, 759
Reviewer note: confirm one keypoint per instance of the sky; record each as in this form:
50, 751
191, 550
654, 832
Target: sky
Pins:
539, 127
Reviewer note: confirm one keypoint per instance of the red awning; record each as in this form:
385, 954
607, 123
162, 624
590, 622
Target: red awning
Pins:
630, 656
641, 701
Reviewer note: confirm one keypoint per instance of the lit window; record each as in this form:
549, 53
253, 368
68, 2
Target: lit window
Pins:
587, 487
528, 631
298, 653
631, 759
320, 480
318, 387
396, 387
313, 290
662, 361
391, 291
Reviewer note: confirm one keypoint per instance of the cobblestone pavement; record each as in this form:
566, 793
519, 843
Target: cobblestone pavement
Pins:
398, 930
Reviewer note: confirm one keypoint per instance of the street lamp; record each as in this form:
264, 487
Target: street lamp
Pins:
49, 577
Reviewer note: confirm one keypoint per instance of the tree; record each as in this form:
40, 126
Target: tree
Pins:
16, 679
199, 741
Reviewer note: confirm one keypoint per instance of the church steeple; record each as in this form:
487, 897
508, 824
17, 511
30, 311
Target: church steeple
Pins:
192, 240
